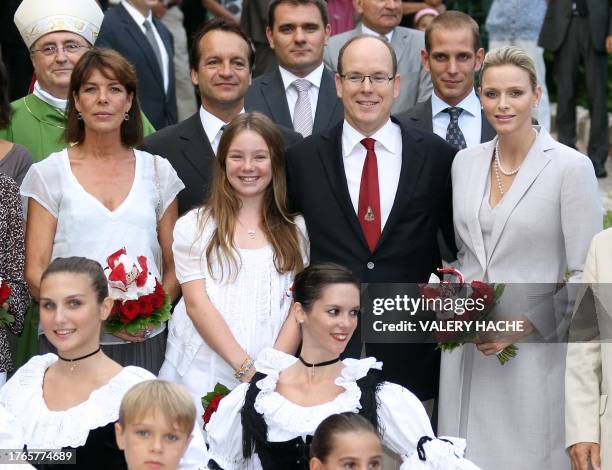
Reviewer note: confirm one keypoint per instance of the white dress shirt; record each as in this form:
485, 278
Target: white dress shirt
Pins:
371, 32
388, 149
49, 98
470, 120
313, 77
139, 19
212, 127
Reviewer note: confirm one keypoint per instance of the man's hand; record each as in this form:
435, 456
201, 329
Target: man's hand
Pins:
583, 453
609, 44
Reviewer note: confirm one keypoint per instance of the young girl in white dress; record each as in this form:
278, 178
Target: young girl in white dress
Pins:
235, 258
270, 422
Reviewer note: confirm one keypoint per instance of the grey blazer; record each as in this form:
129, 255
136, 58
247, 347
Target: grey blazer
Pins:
407, 43
420, 117
542, 229
558, 17
267, 95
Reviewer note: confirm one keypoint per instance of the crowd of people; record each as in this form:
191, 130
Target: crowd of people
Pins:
324, 152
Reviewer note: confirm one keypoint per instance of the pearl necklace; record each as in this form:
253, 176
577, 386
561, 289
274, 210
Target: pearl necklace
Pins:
499, 183
498, 164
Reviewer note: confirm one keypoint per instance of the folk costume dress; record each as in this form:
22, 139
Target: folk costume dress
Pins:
255, 427
254, 305
85, 227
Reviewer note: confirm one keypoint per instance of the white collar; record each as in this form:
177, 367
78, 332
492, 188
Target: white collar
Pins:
313, 77
135, 14
351, 137
49, 98
470, 103
211, 123
371, 32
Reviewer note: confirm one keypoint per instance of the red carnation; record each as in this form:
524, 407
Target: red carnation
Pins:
112, 259
146, 306
482, 290
5, 292
129, 311
142, 277
212, 407
118, 274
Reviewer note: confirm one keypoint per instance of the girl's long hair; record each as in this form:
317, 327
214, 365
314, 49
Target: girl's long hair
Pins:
223, 204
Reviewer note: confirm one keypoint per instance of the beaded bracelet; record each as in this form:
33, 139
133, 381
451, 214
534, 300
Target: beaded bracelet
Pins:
244, 368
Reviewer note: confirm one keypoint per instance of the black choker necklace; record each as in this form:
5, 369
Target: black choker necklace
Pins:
319, 364
72, 361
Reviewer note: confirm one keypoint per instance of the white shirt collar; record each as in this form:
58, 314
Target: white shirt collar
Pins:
211, 123
470, 104
371, 32
135, 14
313, 77
49, 98
351, 137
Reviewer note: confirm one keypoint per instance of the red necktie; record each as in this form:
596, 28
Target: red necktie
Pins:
369, 198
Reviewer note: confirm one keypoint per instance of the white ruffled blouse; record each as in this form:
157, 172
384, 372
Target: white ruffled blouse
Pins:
400, 414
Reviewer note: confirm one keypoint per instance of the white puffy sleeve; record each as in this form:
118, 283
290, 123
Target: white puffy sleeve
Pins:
169, 182
224, 432
406, 430
43, 182
189, 259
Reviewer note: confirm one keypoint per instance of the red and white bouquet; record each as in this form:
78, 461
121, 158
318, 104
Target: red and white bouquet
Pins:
478, 300
5, 292
140, 300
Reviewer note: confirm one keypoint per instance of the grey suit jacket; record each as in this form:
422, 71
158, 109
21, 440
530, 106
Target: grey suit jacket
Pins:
267, 95
420, 117
407, 44
558, 17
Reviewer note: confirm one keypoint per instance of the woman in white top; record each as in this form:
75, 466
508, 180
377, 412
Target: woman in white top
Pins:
235, 259
101, 194
270, 422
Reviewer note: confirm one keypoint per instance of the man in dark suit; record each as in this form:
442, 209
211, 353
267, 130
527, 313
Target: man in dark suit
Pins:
221, 61
452, 55
300, 94
580, 31
374, 193
131, 29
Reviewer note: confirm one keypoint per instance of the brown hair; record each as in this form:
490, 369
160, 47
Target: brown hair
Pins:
510, 55
110, 64
217, 24
320, 4
223, 204
366, 36
453, 20
171, 400
80, 265
309, 283
323, 440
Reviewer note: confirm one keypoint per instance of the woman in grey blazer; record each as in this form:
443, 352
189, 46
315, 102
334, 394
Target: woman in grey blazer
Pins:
525, 210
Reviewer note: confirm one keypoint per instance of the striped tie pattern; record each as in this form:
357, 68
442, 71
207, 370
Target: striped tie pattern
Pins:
302, 114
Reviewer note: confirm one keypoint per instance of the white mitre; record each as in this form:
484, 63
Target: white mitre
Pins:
35, 18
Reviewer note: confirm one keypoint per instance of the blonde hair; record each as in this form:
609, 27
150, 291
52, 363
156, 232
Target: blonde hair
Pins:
510, 55
170, 399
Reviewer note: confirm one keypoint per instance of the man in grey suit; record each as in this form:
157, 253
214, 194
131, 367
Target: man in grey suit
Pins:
452, 55
300, 94
381, 18
580, 31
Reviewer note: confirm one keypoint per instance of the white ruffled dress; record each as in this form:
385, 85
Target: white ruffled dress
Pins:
400, 414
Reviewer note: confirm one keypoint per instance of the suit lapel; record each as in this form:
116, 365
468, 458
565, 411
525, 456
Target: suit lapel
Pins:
195, 145
273, 91
532, 166
133, 31
398, 42
326, 103
330, 154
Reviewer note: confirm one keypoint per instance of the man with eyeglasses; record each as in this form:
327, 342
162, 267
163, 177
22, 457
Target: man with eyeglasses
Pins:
300, 93
57, 33
373, 194
221, 59
381, 18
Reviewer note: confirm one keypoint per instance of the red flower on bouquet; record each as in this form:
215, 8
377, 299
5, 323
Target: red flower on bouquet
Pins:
140, 300
210, 401
5, 292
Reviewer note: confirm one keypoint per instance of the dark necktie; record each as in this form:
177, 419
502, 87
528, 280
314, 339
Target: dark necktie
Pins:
454, 136
152, 41
369, 198
582, 8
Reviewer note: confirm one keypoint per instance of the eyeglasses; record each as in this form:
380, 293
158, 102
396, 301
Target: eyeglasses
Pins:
376, 79
52, 49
